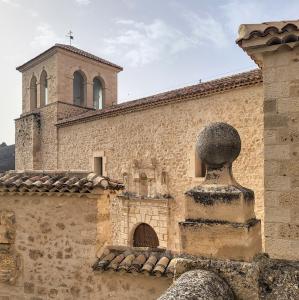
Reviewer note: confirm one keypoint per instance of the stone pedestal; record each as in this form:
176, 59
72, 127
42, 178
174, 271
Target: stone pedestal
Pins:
219, 214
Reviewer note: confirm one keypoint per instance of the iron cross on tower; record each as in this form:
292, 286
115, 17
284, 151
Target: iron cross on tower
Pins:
70, 36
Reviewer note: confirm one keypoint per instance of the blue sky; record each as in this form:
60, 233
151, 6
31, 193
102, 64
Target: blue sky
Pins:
162, 45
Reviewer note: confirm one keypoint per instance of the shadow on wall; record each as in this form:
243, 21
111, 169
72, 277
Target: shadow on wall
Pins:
7, 157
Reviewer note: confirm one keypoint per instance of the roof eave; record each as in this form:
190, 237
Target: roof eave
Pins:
42, 56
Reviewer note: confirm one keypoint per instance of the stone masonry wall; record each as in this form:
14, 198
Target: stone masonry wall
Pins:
51, 249
281, 88
127, 214
27, 147
68, 63
167, 134
55, 238
50, 66
36, 136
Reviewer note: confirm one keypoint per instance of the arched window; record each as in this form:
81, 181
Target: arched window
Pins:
33, 93
79, 88
98, 95
145, 236
143, 189
43, 88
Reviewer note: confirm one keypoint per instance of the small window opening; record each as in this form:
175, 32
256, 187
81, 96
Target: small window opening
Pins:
200, 167
98, 166
145, 236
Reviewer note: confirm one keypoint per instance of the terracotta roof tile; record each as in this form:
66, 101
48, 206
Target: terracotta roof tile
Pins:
154, 262
73, 50
33, 181
198, 90
248, 31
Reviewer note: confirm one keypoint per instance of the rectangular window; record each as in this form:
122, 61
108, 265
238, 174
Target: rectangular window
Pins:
98, 165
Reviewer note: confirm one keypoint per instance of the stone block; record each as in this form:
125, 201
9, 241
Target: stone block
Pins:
227, 203
282, 248
275, 121
276, 214
270, 136
289, 199
288, 231
222, 240
270, 106
277, 183
288, 105
279, 152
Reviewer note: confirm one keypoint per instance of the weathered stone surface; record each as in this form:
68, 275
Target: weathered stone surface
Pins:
199, 284
218, 143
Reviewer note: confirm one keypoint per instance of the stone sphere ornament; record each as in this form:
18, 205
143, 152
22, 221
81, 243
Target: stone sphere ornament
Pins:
218, 144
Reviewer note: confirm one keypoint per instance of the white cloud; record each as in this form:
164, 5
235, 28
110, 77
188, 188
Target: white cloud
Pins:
239, 12
205, 29
45, 37
83, 2
33, 13
11, 3
141, 43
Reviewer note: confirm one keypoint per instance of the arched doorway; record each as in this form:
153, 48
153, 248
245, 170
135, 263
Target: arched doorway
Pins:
145, 236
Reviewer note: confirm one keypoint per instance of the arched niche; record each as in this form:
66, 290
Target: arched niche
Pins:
79, 88
33, 93
43, 88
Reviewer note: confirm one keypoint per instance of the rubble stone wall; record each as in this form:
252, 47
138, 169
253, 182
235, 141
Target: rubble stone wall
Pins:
167, 135
56, 241
51, 249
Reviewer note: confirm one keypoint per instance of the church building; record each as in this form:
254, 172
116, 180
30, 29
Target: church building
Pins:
109, 197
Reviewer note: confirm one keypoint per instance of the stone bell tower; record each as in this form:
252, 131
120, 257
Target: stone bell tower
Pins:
219, 214
61, 82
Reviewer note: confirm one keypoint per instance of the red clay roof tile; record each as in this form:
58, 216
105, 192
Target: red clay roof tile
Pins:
199, 90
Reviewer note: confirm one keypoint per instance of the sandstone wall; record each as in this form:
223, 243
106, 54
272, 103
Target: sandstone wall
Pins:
27, 146
281, 87
50, 66
167, 135
56, 242
48, 245
68, 63
127, 214
36, 136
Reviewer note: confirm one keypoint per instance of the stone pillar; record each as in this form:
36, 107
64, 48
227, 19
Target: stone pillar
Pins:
274, 47
219, 214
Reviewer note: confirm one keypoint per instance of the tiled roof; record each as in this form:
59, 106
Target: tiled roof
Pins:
54, 182
248, 31
155, 262
73, 50
199, 90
